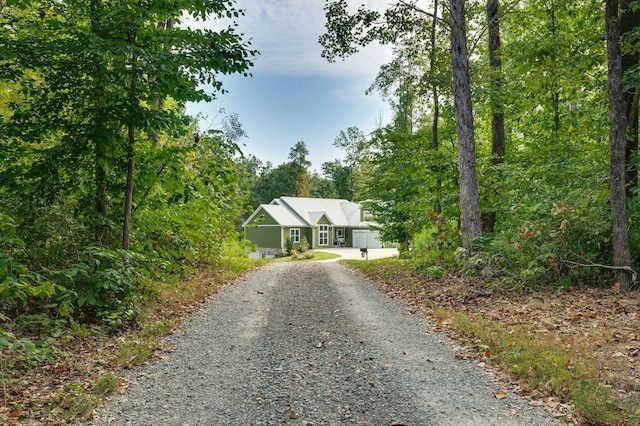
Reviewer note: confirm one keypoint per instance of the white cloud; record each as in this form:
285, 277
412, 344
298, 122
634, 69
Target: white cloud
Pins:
286, 33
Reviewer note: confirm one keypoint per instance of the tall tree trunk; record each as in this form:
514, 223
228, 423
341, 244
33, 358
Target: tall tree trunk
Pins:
128, 196
629, 21
131, 134
469, 200
617, 143
553, 87
436, 117
103, 134
434, 85
497, 114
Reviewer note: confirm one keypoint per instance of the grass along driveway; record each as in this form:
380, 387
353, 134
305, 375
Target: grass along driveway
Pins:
575, 350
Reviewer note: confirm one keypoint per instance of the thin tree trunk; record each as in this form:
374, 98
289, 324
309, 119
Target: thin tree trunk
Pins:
497, 114
100, 148
434, 85
469, 200
436, 117
128, 197
553, 88
629, 21
617, 143
131, 133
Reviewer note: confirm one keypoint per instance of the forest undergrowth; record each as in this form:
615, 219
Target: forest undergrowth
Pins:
84, 362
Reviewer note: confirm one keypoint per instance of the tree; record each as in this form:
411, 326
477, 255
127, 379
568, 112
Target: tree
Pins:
350, 173
101, 77
394, 187
496, 91
629, 24
321, 187
299, 168
341, 177
469, 199
345, 33
617, 143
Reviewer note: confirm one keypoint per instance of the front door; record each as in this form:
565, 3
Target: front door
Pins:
340, 240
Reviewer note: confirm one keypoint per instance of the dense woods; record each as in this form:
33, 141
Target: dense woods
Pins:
541, 141
512, 153
105, 184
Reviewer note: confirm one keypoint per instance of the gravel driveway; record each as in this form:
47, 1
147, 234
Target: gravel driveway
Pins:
311, 344
354, 253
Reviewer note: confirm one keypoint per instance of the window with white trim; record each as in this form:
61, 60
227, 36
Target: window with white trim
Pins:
323, 235
294, 234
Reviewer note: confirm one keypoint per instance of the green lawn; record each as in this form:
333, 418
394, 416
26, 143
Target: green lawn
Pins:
317, 255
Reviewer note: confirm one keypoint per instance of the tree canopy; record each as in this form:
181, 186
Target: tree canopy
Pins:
539, 128
98, 154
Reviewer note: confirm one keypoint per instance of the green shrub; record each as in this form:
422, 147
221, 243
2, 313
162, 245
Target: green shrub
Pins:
303, 246
302, 256
289, 246
102, 285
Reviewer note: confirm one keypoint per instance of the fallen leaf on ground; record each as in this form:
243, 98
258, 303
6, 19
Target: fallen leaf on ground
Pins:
14, 414
553, 403
500, 394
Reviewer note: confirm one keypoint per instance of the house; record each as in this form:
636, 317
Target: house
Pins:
323, 222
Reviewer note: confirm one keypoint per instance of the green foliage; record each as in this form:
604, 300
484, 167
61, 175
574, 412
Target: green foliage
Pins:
273, 182
74, 401
106, 384
299, 168
322, 187
303, 246
18, 284
550, 196
102, 285
289, 246
90, 86
138, 351
304, 255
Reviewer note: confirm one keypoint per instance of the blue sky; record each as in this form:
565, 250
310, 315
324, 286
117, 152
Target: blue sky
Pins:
294, 94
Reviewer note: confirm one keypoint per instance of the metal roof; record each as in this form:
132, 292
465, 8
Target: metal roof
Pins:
300, 211
282, 215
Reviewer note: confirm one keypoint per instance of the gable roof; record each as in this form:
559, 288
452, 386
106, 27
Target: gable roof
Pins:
300, 211
283, 215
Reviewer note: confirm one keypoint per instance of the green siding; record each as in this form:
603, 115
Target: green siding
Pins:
262, 218
316, 233
264, 236
304, 232
307, 232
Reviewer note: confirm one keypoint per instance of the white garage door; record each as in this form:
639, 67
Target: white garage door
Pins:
368, 239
